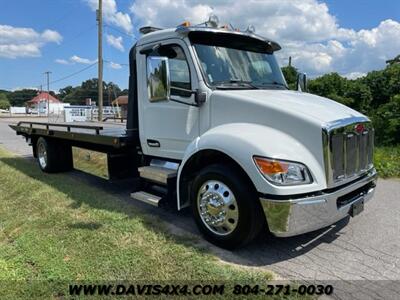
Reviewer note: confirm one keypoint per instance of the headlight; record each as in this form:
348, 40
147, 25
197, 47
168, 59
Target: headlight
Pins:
282, 172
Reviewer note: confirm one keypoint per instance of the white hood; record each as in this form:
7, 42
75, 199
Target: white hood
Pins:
300, 116
303, 105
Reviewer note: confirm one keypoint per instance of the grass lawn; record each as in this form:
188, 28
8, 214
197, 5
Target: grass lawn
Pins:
387, 161
56, 230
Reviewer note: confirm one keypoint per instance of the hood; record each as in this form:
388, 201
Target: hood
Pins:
298, 115
298, 104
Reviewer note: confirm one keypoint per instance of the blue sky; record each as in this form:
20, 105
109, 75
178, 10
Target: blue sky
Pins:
363, 14
350, 37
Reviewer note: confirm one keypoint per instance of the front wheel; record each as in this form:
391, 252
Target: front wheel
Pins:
225, 206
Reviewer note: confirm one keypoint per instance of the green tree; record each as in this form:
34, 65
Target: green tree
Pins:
88, 89
358, 94
5, 92
290, 74
65, 91
393, 61
392, 74
18, 98
4, 103
331, 84
378, 84
353, 93
387, 122
124, 92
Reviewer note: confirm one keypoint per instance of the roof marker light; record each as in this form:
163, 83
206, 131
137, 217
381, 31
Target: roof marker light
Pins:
185, 24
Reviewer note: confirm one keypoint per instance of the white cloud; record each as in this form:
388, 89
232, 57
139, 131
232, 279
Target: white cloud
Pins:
51, 36
80, 60
367, 50
169, 12
75, 59
112, 15
20, 50
354, 75
18, 88
25, 42
306, 30
115, 42
305, 20
62, 61
114, 65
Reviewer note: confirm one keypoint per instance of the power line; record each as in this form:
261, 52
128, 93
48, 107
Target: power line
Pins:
121, 32
62, 19
89, 66
79, 71
67, 76
80, 33
74, 37
73, 74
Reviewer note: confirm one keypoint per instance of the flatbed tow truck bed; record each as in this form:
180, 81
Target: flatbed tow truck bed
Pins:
102, 134
110, 138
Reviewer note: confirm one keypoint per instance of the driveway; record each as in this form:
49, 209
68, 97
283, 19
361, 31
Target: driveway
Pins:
359, 255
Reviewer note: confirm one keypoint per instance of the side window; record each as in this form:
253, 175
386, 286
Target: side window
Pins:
178, 68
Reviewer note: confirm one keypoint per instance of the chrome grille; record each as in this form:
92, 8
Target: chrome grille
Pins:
351, 150
348, 150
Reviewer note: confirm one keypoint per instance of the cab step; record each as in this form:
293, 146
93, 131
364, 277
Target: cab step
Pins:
147, 198
157, 174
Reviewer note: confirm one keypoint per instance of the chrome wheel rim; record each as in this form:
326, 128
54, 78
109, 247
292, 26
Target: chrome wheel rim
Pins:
217, 207
42, 155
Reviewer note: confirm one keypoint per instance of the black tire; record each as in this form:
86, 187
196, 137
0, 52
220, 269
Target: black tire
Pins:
251, 219
65, 157
58, 156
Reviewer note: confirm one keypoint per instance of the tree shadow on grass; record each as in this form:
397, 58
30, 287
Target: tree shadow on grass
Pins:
179, 226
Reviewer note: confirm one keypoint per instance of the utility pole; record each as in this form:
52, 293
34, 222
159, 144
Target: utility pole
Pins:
48, 93
100, 58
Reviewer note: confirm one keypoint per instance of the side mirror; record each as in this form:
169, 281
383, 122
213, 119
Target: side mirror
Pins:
200, 97
302, 82
158, 80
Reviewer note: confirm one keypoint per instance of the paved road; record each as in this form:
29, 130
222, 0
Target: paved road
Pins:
364, 251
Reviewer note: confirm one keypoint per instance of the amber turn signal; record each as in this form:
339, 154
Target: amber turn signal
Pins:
271, 167
185, 24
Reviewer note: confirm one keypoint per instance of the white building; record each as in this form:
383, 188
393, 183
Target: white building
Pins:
39, 104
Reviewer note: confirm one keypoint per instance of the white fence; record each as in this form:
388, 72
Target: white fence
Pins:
82, 113
17, 110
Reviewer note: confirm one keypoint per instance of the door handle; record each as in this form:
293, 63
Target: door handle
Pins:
153, 143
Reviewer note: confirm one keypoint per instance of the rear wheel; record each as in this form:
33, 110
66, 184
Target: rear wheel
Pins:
53, 156
225, 206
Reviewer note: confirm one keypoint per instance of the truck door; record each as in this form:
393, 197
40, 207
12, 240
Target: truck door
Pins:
168, 127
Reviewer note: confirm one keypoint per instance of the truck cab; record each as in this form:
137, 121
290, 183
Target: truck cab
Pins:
211, 96
213, 126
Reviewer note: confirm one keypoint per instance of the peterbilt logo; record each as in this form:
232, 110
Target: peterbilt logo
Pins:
359, 128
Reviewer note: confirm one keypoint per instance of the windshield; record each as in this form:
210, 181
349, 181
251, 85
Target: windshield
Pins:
226, 67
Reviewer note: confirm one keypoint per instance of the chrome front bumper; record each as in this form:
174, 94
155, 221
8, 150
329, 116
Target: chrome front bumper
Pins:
300, 215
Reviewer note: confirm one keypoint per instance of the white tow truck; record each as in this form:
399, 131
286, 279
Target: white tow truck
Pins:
213, 126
